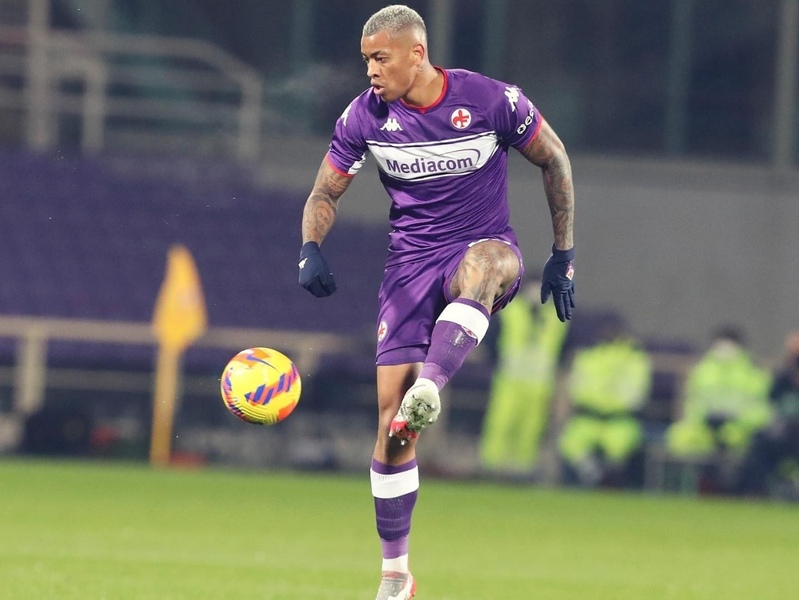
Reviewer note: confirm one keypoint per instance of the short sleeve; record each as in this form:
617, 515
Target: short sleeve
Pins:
517, 120
347, 151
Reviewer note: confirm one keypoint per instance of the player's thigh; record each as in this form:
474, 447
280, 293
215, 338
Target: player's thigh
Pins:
409, 301
486, 271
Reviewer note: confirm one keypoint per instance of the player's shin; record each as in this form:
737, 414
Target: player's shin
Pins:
395, 489
458, 330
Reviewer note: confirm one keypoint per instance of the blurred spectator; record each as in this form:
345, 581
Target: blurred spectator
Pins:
609, 384
528, 346
772, 464
725, 403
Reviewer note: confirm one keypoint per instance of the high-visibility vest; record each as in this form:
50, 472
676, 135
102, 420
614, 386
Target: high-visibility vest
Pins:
611, 377
727, 385
530, 341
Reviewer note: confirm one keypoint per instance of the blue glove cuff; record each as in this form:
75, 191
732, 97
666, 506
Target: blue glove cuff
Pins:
309, 248
562, 255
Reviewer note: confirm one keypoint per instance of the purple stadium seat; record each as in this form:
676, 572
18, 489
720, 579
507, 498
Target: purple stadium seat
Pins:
90, 240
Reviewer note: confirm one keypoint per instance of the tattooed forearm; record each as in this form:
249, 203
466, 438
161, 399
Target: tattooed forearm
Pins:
548, 153
321, 207
318, 216
559, 191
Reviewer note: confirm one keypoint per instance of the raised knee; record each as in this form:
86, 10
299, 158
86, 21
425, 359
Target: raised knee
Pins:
486, 271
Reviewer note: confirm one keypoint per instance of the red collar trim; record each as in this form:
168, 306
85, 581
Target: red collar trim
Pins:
437, 101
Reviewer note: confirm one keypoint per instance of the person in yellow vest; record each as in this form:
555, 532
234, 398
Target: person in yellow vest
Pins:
609, 383
771, 466
725, 401
529, 345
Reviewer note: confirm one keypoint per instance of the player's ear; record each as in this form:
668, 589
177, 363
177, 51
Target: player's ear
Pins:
418, 53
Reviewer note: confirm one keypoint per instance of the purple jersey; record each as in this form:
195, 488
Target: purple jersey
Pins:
444, 166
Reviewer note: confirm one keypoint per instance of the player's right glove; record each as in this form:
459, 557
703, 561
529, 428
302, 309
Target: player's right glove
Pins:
558, 280
315, 275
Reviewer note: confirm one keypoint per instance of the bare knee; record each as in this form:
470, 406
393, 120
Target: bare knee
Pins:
486, 271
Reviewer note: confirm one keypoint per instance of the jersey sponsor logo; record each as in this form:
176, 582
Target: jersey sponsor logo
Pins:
512, 93
460, 118
528, 120
391, 125
428, 160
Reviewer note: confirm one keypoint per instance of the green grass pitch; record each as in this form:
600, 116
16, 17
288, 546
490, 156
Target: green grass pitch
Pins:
93, 531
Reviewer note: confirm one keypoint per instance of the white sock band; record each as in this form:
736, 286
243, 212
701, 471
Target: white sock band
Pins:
395, 484
466, 316
399, 564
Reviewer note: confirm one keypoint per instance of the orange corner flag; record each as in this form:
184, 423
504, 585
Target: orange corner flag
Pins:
180, 315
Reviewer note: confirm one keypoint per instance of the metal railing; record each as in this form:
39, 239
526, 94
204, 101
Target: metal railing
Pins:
30, 375
128, 90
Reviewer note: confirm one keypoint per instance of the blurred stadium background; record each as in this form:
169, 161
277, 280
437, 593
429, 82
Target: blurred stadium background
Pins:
128, 126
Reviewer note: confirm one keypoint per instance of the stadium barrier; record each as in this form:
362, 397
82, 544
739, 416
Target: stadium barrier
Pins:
30, 374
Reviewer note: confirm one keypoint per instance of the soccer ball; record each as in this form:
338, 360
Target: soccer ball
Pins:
261, 386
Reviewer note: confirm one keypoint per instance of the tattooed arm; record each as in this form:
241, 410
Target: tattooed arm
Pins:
547, 152
321, 207
318, 217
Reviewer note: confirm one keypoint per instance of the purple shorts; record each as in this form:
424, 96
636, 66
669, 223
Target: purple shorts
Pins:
412, 297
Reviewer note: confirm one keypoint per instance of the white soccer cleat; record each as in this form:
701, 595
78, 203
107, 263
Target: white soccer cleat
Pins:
420, 407
396, 586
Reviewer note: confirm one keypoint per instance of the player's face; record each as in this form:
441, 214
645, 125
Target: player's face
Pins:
391, 63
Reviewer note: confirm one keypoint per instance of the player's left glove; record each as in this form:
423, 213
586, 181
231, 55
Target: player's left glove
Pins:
315, 275
558, 280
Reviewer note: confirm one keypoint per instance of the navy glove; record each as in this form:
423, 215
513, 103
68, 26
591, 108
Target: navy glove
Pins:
557, 280
315, 275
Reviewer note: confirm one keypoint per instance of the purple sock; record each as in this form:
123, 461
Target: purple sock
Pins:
395, 489
452, 340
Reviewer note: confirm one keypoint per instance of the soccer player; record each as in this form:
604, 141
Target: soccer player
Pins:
440, 138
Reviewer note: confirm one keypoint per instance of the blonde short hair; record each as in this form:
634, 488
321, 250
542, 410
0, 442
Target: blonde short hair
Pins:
395, 19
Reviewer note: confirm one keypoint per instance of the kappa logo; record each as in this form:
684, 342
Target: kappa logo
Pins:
391, 125
512, 94
461, 118
346, 114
